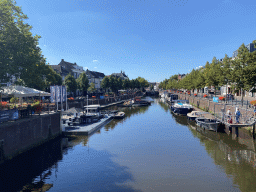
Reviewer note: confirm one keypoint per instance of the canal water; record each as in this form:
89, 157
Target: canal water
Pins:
149, 150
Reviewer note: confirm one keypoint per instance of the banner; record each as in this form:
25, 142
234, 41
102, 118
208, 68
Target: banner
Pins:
56, 92
53, 94
64, 92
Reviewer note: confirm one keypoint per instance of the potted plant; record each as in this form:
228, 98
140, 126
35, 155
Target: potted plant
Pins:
222, 98
71, 99
253, 102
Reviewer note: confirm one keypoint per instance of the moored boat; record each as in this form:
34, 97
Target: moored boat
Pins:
209, 124
181, 107
119, 115
139, 102
195, 114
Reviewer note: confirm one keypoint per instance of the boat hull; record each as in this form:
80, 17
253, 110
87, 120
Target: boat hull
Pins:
208, 124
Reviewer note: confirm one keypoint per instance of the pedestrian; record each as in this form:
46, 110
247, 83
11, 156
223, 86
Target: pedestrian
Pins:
229, 116
237, 115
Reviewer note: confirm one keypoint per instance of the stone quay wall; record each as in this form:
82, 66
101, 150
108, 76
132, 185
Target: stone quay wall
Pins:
101, 102
210, 106
21, 135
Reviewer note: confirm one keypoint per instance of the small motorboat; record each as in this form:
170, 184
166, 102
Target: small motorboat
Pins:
139, 102
209, 124
195, 114
181, 107
119, 115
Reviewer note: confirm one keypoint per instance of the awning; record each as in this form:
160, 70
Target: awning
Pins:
21, 91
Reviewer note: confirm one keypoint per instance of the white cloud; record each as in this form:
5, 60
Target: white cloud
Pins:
44, 45
95, 67
94, 61
85, 68
199, 67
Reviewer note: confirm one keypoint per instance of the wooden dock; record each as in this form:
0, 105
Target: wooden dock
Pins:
86, 129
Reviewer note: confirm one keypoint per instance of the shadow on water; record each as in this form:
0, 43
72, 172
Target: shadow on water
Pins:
19, 174
56, 164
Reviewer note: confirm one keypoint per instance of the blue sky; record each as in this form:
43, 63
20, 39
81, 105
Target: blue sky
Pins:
153, 39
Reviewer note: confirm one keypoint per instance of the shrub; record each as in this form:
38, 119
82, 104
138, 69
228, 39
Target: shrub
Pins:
221, 98
14, 100
3, 103
253, 102
205, 95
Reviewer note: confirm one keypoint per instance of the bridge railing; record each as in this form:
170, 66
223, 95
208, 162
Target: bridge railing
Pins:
233, 119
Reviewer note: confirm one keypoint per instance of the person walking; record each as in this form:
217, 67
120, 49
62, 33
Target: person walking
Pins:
237, 115
229, 116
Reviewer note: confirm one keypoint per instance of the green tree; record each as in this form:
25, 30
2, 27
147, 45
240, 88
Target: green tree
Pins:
82, 83
52, 78
71, 84
92, 88
137, 84
19, 52
113, 83
105, 83
119, 83
143, 82
240, 69
200, 80
126, 84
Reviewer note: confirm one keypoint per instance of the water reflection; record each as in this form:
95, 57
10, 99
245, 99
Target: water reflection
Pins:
129, 112
160, 157
235, 158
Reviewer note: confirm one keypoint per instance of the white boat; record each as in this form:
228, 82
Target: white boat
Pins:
181, 107
119, 115
195, 114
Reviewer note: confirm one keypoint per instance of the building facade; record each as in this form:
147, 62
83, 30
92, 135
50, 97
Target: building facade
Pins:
95, 77
64, 68
250, 48
121, 75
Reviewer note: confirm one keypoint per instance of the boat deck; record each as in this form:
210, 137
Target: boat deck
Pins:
86, 129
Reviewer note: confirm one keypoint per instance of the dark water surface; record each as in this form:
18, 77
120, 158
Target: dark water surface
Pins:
149, 150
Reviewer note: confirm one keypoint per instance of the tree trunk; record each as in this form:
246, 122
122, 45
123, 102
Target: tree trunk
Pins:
242, 97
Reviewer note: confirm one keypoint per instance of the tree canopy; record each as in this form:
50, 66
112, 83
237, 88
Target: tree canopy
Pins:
82, 83
20, 54
71, 84
240, 72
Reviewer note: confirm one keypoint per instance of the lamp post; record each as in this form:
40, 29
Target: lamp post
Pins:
87, 105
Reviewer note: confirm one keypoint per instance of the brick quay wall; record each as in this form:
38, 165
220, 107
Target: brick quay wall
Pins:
21, 135
210, 106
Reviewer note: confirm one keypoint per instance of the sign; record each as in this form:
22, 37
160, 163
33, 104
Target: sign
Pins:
215, 99
7, 115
